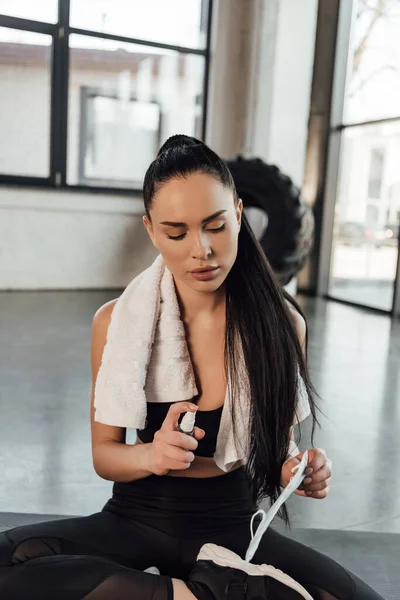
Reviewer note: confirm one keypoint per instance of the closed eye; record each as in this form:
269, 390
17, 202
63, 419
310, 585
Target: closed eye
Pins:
217, 229
183, 235
176, 237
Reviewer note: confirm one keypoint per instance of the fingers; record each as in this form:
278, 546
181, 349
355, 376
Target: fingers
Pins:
176, 465
318, 459
317, 495
324, 473
172, 449
184, 457
198, 433
180, 440
172, 419
315, 487
317, 482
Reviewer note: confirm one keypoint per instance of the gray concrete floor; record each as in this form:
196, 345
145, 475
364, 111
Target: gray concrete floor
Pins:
45, 459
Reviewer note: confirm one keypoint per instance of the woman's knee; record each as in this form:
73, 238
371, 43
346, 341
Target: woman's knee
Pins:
17, 551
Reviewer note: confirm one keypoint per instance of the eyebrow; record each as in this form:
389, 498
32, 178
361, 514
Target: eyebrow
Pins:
204, 221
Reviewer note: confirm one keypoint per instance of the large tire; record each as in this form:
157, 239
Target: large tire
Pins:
288, 237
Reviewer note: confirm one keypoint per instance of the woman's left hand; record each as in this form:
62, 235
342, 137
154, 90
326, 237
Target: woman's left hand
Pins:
318, 474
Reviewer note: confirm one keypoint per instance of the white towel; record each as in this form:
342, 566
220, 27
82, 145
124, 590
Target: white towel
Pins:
145, 329
146, 358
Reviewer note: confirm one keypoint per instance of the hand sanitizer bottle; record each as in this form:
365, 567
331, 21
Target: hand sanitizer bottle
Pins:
187, 423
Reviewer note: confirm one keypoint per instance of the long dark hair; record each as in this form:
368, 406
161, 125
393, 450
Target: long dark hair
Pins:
258, 315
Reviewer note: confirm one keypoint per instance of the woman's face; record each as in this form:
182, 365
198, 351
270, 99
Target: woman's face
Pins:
195, 225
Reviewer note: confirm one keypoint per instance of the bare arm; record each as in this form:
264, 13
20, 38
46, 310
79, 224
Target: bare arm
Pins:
300, 326
301, 330
113, 459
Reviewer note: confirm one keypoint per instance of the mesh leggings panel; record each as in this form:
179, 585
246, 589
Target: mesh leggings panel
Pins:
82, 578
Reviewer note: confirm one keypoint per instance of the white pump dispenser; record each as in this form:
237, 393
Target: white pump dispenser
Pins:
187, 423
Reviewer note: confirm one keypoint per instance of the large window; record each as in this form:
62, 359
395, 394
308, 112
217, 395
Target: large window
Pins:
91, 88
364, 259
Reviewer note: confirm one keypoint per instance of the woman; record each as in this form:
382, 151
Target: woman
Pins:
175, 494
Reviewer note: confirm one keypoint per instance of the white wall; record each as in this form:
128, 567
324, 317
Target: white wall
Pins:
65, 240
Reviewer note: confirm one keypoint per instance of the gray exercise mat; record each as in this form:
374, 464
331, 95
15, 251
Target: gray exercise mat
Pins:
374, 557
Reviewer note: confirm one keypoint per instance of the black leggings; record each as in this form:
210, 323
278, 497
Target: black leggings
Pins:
162, 522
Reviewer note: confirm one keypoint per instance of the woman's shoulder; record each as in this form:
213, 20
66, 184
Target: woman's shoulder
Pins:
102, 316
100, 324
299, 322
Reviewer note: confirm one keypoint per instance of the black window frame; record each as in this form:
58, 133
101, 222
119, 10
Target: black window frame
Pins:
60, 32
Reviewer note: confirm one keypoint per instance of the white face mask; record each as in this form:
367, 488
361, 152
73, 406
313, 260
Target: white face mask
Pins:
267, 517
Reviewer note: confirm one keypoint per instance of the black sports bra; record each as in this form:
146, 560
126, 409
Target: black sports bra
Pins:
209, 420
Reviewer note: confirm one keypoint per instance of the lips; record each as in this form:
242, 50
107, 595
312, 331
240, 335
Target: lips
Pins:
204, 270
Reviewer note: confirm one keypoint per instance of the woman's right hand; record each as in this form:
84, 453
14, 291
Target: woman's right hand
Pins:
171, 449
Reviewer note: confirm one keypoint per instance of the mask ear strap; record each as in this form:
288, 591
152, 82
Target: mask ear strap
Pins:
259, 512
256, 537
294, 483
